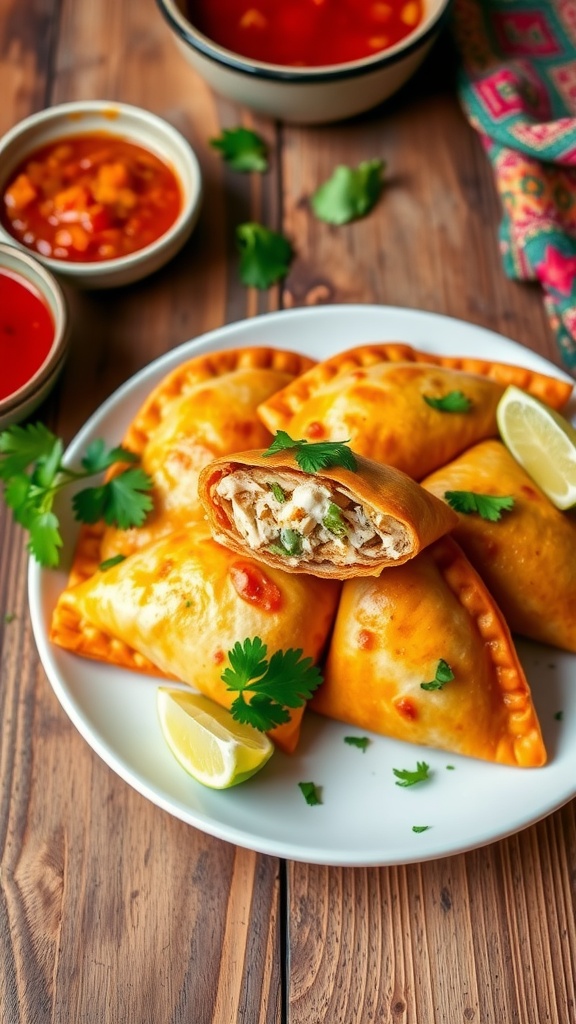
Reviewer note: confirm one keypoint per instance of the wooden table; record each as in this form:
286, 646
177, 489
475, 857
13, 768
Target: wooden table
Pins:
110, 909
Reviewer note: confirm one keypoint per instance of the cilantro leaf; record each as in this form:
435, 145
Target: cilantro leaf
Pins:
310, 792
488, 506
286, 680
265, 255
349, 193
406, 777
312, 456
242, 149
444, 674
357, 741
109, 563
454, 401
333, 520
420, 828
32, 468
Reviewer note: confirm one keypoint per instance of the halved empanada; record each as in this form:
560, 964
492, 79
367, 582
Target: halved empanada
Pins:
390, 637
201, 410
336, 523
176, 607
375, 396
528, 557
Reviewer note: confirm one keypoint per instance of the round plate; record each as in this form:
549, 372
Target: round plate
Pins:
364, 818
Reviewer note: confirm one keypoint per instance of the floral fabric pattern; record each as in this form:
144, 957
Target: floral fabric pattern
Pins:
518, 89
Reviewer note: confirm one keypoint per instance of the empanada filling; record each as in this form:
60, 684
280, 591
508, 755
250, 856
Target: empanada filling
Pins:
304, 519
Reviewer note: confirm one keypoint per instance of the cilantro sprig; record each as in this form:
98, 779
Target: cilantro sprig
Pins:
33, 472
453, 401
311, 793
265, 255
242, 149
405, 777
488, 506
315, 455
444, 674
267, 688
349, 193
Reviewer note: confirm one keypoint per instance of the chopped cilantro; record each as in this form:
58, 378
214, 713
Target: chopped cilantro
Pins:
454, 401
109, 563
33, 472
406, 777
286, 680
444, 674
265, 255
450, 768
242, 149
420, 828
313, 456
488, 506
310, 792
361, 742
349, 193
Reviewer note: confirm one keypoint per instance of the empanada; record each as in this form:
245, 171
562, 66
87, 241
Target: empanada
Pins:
203, 409
176, 607
336, 523
528, 557
390, 637
375, 396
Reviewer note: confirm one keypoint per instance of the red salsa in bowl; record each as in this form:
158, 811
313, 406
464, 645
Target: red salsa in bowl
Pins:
306, 33
89, 198
27, 332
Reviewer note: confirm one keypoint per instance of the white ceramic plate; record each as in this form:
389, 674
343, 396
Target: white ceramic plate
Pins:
365, 818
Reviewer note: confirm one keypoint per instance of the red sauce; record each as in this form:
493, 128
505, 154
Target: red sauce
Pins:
26, 332
87, 198
305, 32
406, 707
254, 586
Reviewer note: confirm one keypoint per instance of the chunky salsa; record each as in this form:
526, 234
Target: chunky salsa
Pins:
305, 32
90, 197
26, 332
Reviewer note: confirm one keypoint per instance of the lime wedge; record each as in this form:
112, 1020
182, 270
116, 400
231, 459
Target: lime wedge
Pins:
542, 441
204, 738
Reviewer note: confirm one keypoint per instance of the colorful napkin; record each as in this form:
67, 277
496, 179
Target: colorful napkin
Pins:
518, 89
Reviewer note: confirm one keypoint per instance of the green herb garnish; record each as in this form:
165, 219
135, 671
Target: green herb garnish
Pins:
349, 193
333, 520
407, 778
450, 768
242, 149
454, 401
286, 680
444, 674
315, 455
420, 828
310, 792
33, 473
265, 255
559, 716
487, 506
361, 742
109, 563
277, 492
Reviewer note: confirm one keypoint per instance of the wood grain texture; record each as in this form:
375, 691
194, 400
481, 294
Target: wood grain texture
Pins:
111, 910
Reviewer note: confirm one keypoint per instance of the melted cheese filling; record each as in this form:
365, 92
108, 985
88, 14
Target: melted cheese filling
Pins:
304, 519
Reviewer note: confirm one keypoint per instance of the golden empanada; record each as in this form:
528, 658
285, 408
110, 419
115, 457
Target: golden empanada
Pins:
176, 607
375, 396
527, 558
336, 523
392, 634
201, 410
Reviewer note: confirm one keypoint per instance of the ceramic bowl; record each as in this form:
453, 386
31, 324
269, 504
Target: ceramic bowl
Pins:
137, 126
306, 95
21, 403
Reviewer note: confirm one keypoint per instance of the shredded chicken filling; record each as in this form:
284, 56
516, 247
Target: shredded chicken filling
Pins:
304, 519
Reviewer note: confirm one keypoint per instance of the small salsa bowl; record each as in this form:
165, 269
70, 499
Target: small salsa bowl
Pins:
131, 124
306, 95
27, 273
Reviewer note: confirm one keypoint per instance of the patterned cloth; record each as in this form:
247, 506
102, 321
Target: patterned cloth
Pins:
518, 89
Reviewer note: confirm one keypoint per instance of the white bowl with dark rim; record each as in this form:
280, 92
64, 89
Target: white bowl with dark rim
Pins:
135, 125
306, 95
22, 402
